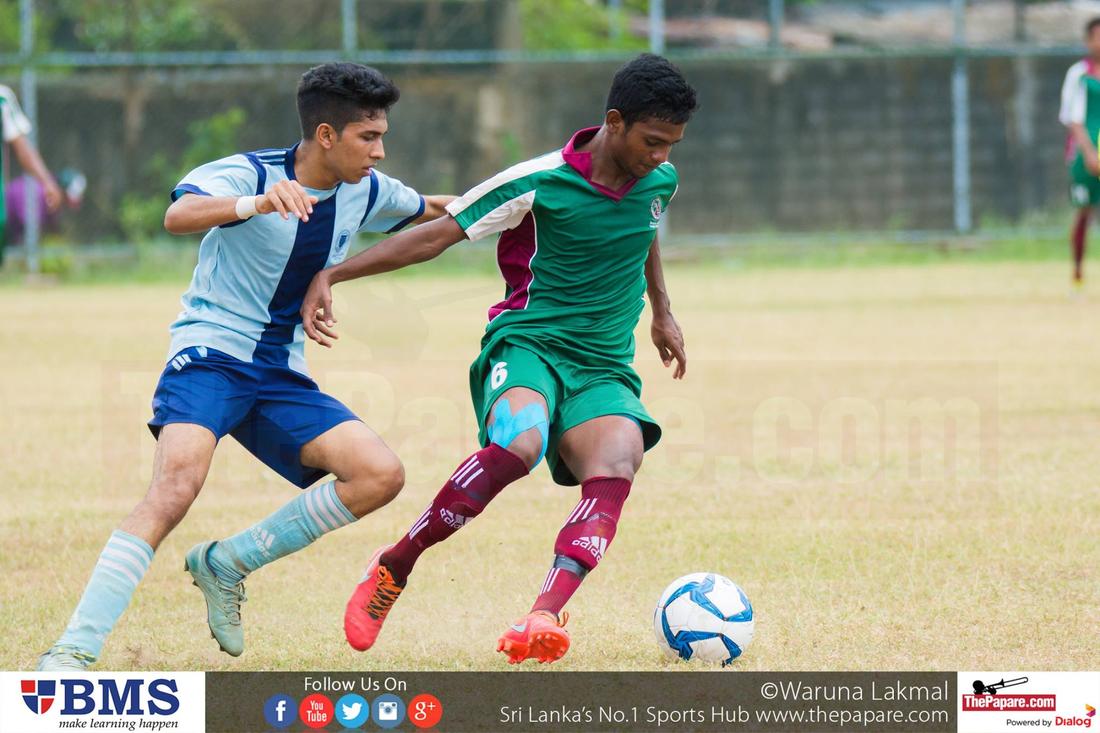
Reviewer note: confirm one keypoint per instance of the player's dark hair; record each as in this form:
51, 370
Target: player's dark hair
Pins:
1091, 26
340, 93
650, 87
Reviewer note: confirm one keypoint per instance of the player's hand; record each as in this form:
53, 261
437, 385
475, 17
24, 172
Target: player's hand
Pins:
1092, 164
53, 194
286, 198
669, 340
317, 317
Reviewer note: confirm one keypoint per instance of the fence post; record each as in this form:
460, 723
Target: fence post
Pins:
657, 26
615, 19
29, 90
349, 27
960, 113
775, 23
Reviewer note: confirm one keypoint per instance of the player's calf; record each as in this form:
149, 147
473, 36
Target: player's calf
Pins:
583, 540
182, 459
580, 546
467, 492
118, 571
219, 568
517, 442
471, 487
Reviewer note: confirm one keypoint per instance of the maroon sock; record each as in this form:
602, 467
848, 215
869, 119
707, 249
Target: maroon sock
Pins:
1080, 230
469, 489
583, 540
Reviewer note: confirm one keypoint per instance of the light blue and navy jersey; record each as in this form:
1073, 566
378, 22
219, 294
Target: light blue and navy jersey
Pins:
252, 274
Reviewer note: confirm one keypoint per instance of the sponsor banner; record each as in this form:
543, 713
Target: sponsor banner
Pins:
492, 702
990, 702
143, 702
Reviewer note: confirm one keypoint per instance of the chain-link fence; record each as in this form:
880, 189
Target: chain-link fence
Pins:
872, 115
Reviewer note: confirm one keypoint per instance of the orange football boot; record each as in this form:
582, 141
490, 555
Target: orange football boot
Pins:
538, 635
370, 603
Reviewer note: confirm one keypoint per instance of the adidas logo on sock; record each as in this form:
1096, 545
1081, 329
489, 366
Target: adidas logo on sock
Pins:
596, 545
451, 519
263, 539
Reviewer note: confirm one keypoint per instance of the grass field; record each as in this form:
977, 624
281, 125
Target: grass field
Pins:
898, 463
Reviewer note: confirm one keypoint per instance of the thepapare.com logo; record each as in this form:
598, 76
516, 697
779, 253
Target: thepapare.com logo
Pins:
76, 696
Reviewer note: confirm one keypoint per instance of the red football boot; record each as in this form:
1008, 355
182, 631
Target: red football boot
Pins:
370, 603
538, 635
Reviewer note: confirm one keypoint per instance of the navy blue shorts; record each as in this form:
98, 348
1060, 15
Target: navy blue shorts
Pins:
269, 408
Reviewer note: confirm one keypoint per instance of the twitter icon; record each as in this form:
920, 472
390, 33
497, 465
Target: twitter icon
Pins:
352, 711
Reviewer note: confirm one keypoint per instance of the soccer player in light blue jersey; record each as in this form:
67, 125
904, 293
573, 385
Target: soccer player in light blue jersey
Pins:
236, 367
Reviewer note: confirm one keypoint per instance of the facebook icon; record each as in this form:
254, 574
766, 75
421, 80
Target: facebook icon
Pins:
280, 711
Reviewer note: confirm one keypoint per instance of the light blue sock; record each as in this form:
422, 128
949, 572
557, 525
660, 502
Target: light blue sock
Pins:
294, 526
120, 568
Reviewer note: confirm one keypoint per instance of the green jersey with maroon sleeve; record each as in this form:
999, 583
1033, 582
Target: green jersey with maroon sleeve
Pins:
571, 251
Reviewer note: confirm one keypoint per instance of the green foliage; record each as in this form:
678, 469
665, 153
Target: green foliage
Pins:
210, 138
11, 30
136, 25
141, 215
9, 25
568, 25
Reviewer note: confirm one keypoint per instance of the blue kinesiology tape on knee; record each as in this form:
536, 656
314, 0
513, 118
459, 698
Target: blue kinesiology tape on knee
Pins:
507, 427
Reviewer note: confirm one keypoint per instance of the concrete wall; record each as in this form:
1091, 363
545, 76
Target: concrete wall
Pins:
811, 145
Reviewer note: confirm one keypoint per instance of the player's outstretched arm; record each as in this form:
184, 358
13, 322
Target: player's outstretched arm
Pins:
665, 331
434, 207
419, 244
194, 213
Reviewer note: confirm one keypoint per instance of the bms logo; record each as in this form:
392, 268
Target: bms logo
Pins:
103, 696
38, 694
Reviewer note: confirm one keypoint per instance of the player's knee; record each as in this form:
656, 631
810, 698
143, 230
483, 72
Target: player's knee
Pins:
372, 484
524, 432
527, 446
386, 479
625, 466
170, 496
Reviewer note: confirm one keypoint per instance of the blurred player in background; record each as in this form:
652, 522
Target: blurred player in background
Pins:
15, 132
1080, 113
236, 362
73, 185
578, 251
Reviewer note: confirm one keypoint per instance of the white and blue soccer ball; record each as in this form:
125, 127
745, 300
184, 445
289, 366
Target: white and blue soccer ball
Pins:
704, 616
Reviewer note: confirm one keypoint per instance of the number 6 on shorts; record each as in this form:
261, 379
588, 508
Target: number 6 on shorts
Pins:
499, 374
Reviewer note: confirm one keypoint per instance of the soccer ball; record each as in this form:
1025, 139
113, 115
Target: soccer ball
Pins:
704, 616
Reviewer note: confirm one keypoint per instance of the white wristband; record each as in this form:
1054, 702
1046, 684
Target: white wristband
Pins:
246, 207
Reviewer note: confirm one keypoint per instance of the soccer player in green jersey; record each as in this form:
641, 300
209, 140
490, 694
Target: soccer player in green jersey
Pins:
1080, 113
578, 251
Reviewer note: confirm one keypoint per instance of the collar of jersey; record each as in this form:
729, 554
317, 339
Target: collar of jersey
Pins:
581, 162
288, 167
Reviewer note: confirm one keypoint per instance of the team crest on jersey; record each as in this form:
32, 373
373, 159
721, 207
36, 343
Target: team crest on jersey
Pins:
342, 244
655, 209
